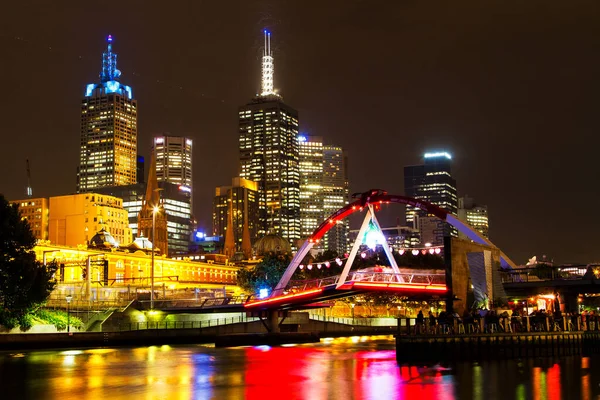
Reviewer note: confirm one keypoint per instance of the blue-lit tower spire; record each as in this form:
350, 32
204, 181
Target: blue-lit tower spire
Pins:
109, 63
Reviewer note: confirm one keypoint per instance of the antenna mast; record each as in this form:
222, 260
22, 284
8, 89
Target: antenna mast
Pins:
267, 67
29, 189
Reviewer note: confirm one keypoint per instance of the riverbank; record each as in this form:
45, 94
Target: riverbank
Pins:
151, 337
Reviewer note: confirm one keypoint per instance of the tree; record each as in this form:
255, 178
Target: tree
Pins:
25, 283
265, 275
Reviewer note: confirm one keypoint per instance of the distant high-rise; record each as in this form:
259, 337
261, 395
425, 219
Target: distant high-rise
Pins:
335, 196
476, 215
108, 143
311, 183
241, 200
433, 183
174, 161
268, 131
141, 176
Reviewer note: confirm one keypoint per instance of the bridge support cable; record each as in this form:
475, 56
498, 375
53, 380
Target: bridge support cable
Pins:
355, 248
386, 247
289, 272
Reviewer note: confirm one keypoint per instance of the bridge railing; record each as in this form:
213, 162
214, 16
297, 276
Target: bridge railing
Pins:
195, 303
364, 276
542, 273
149, 325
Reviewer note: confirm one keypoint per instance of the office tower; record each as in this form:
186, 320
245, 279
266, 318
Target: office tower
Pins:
174, 161
311, 183
240, 200
268, 131
74, 219
432, 181
152, 219
476, 215
35, 211
108, 145
335, 196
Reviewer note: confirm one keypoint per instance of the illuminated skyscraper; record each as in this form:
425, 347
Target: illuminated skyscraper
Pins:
268, 131
476, 215
311, 183
241, 200
335, 196
108, 146
174, 161
432, 182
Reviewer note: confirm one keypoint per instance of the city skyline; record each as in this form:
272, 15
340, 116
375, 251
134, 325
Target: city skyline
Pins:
511, 108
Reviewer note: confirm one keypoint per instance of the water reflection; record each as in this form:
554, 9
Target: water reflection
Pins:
350, 368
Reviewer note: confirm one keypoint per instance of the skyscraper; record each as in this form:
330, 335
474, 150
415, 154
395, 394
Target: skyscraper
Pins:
174, 161
268, 131
241, 201
432, 182
476, 215
311, 183
335, 196
108, 145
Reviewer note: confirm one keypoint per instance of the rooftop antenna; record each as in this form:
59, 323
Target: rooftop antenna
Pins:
267, 67
29, 188
109, 63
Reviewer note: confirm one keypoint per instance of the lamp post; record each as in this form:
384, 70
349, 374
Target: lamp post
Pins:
154, 211
68, 298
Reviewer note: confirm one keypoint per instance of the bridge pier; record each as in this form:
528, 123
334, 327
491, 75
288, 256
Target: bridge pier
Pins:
273, 321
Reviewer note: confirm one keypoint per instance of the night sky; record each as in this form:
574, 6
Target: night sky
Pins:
509, 87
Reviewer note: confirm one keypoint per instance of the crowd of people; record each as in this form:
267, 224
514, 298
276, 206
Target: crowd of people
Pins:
491, 321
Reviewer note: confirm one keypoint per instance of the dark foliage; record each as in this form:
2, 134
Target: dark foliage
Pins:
24, 282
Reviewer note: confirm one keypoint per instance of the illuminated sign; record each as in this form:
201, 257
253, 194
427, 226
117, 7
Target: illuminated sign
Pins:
185, 189
112, 86
159, 140
302, 138
438, 154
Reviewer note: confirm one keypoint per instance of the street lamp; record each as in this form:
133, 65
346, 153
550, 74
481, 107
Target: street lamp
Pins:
154, 212
68, 298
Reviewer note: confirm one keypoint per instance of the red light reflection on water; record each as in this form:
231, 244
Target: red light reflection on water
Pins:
311, 373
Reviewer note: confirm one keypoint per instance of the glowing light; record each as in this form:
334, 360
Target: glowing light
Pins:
319, 266
263, 293
327, 264
428, 244
423, 251
401, 251
309, 266
302, 138
200, 235
438, 250
159, 140
89, 89
109, 38
301, 266
112, 86
185, 189
267, 67
363, 254
415, 252
431, 251
438, 154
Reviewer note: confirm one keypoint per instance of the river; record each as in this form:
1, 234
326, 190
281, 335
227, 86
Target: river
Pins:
344, 368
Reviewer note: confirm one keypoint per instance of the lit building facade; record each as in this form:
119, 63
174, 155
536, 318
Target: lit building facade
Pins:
174, 161
35, 211
74, 219
311, 183
241, 199
108, 145
335, 196
268, 130
127, 270
476, 215
433, 182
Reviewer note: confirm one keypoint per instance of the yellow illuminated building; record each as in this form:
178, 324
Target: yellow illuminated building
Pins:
75, 219
35, 211
129, 268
